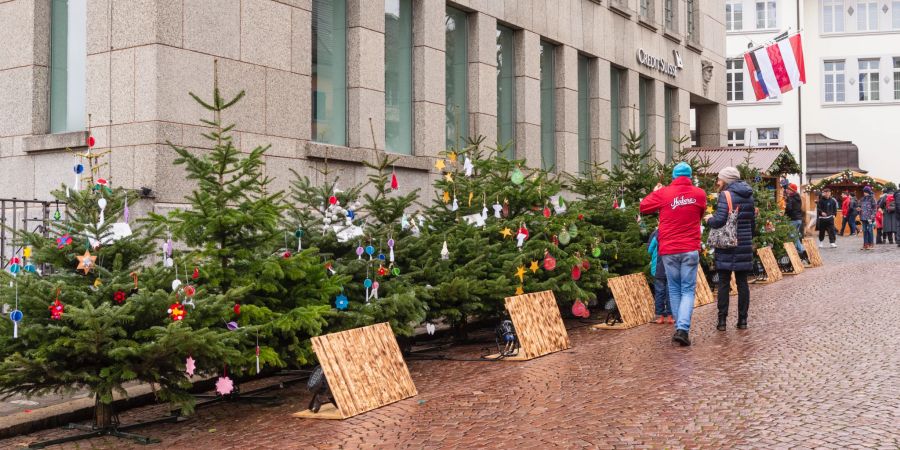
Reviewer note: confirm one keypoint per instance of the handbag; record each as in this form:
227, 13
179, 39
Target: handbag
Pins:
725, 237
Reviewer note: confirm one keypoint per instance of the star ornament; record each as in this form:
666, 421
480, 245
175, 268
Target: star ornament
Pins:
449, 177
520, 272
439, 164
86, 262
519, 290
533, 267
224, 385
506, 232
189, 366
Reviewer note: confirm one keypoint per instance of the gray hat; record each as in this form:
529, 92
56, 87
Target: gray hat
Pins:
729, 175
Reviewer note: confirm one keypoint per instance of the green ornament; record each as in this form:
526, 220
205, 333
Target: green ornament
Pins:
564, 237
517, 176
573, 230
57, 215
298, 234
396, 271
596, 252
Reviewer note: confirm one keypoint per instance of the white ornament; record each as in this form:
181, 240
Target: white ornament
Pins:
497, 209
429, 327
468, 167
445, 253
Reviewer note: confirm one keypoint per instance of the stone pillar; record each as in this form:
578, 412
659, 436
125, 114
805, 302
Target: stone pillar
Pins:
528, 94
711, 125
429, 85
601, 119
482, 95
656, 126
566, 78
24, 70
365, 73
682, 119
630, 99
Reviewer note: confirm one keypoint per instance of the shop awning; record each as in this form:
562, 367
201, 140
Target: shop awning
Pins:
761, 158
826, 156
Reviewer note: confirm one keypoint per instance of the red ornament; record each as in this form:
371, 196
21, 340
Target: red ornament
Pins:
394, 184
176, 311
196, 273
523, 231
382, 271
549, 261
102, 182
585, 265
615, 203
581, 217
579, 310
56, 309
332, 200
189, 291
576, 272
286, 255
237, 308
546, 212
119, 297
554, 240
90, 141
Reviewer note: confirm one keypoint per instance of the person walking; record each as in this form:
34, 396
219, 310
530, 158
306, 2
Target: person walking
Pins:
867, 207
793, 210
736, 195
660, 287
849, 210
891, 222
826, 208
879, 226
680, 206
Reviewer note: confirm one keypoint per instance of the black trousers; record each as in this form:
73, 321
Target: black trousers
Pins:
826, 225
725, 292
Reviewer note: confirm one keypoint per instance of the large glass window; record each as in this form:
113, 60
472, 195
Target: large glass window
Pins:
691, 21
616, 79
398, 76
834, 81
734, 15
584, 114
765, 15
767, 137
670, 106
645, 11
548, 106
866, 16
868, 80
329, 71
736, 138
457, 70
734, 79
896, 78
832, 16
68, 57
506, 90
669, 15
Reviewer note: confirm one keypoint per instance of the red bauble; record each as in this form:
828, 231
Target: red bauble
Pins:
576, 273
549, 261
546, 212
90, 141
332, 200
56, 310
581, 217
189, 291
237, 308
119, 297
286, 255
196, 273
585, 265
579, 310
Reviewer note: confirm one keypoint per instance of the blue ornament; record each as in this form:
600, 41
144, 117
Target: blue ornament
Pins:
381, 256
370, 250
30, 268
341, 302
351, 214
79, 168
367, 283
14, 268
15, 315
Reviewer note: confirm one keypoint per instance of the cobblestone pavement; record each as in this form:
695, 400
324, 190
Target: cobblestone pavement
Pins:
818, 368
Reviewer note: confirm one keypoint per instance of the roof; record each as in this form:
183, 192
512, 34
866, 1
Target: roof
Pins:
854, 173
827, 156
761, 158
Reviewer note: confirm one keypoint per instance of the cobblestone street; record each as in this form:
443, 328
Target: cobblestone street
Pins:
818, 368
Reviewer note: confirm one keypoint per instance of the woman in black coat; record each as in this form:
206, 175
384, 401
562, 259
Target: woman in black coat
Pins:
737, 260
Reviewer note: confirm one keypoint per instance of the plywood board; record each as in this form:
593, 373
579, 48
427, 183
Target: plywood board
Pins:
327, 412
702, 294
364, 368
770, 264
812, 251
796, 262
539, 326
634, 300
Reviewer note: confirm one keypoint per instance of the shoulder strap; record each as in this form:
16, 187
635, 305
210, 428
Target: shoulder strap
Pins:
728, 199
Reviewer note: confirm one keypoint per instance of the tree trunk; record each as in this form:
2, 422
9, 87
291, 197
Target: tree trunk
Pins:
103, 413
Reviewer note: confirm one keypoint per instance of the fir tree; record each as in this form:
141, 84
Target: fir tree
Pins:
772, 227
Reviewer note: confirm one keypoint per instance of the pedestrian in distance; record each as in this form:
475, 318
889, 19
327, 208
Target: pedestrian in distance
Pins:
887, 204
879, 226
735, 195
826, 208
849, 211
793, 210
660, 286
867, 207
680, 206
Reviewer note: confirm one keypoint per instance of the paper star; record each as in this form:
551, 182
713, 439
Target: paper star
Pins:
439, 164
189, 366
519, 290
446, 197
449, 177
534, 267
224, 385
520, 272
506, 232
452, 157
86, 262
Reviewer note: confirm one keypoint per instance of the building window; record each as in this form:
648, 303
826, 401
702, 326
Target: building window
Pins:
670, 106
896, 78
832, 16
506, 90
767, 137
734, 79
329, 72
866, 16
736, 138
398, 76
548, 106
646, 11
68, 65
616, 80
693, 138
734, 15
895, 14
669, 15
691, 21
457, 73
765, 15
645, 99
834, 81
584, 114
868, 80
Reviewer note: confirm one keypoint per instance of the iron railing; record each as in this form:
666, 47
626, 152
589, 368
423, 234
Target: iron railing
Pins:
23, 215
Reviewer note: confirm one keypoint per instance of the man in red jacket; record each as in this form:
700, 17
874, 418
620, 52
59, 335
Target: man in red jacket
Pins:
681, 206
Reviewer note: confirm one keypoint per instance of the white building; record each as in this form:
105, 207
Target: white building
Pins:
852, 57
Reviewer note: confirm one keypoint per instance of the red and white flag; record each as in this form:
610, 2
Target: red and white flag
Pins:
777, 67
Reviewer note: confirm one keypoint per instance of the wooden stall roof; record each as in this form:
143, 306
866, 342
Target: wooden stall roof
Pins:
761, 158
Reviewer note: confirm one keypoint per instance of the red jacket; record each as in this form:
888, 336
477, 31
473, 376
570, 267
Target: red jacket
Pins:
845, 206
879, 219
681, 206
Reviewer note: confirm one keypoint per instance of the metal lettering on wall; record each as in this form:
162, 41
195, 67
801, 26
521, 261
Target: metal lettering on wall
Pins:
657, 63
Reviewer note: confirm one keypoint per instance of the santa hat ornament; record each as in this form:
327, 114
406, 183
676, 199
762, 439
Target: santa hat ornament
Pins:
394, 184
521, 236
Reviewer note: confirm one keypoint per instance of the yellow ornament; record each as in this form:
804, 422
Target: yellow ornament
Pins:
27, 252
533, 267
520, 272
97, 283
506, 232
439, 164
452, 157
446, 197
449, 177
519, 290
471, 194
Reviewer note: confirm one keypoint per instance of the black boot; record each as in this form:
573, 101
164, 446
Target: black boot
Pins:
681, 337
721, 325
742, 324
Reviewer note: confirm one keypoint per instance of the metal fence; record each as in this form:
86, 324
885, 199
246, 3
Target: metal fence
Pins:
20, 215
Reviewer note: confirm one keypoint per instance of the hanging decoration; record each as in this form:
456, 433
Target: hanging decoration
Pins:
445, 252
390, 244
498, 208
395, 185
232, 326
505, 207
429, 328
506, 232
341, 302
63, 241
86, 262
119, 296
189, 366
615, 202
519, 290
15, 315
520, 272
14, 265
367, 283
446, 197
56, 214
452, 157
370, 250
257, 352
573, 231
299, 235
533, 267
468, 167
546, 211
57, 308
439, 164
359, 252
449, 177
549, 261
224, 385
576, 273
564, 237
455, 205
176, 311
517, 177
521, 235
580, 310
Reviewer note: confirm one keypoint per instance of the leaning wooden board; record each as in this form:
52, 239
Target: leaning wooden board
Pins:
634, 300
770, 264
702, 294
539, 326
796, 262
364, 368
815, 258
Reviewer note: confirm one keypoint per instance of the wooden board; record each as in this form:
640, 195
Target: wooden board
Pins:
702, 294
770, 264
796, 262
539, 326
519, 357
364, 368
812, 251
634, 300
327, 412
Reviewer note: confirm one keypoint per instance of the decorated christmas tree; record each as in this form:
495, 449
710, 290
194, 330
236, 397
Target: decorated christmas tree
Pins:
773, 228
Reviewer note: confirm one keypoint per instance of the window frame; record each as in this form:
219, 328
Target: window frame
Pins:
836, 8
838, 79
462, 119
314, 77
510, 58
406, 118
768, 141
670, 11
871, 14
67, 108
548, 105
585, 68
734, 75
770, 15
734, 15
737, 137
869, 80
896, 68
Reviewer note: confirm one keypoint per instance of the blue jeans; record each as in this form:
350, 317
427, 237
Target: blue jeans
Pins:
868, 237
798, 224
681, 274
661, 296
849, 221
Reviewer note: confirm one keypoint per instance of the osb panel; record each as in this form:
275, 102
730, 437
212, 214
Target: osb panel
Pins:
364, 368
812, 251
634, 300
702, 294
796, 262
770, 264
539, 326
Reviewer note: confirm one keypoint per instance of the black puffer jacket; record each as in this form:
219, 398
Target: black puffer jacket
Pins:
793, 208
739, 258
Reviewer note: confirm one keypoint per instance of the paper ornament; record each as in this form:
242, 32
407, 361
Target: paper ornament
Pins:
549, 261
533, 267
497, 209
471, 195
224, 385
449, 177
521, 235
429, 328
189, 366
26, 252
452, 157
484, 213
445, 252
579, 310
394, 183
520, 272
468, 167
547, 212
341, 302
519, 290
576, 273
56, 309
517, 177
97, 283
63, 241
439, 164
119, 297
506, 232
446, 197
176, 311
86, 262
455, 205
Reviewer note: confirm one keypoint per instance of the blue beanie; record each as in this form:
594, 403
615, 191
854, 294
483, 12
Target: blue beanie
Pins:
682, 170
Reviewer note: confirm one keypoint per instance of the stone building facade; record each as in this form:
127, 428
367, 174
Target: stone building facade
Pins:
125, 67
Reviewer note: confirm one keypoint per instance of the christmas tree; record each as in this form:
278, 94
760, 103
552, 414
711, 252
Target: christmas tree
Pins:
773, 228
98, 317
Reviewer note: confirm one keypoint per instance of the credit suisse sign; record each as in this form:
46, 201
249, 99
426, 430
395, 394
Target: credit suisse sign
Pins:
654, 62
